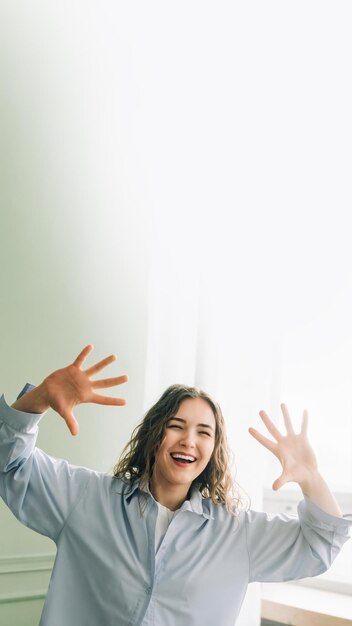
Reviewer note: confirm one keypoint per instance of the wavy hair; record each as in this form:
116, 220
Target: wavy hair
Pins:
138, 456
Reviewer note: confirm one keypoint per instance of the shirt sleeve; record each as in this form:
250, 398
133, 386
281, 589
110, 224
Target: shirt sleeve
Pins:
40, 490
287, 547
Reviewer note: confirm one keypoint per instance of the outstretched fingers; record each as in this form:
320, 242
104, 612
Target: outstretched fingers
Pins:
83, 355
109, 382
267, 443
270, 426
304, 427
287, 419
94, 369
107, 400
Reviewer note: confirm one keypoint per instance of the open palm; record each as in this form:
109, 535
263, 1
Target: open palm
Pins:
293, 450
67, 387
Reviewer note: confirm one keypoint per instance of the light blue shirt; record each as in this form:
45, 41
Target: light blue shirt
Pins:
106, 571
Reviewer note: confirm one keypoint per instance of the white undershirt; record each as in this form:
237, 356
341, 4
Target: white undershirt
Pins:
163, 521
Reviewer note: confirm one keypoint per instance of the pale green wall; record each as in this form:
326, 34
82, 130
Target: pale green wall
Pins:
73, 254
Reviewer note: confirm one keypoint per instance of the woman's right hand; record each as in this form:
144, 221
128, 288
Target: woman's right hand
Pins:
65, 388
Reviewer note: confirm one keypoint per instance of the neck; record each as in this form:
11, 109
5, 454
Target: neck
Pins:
173, 497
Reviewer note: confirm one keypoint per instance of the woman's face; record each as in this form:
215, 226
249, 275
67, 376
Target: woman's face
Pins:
191, 434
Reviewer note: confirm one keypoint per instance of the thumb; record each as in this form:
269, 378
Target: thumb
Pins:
279, 482
72, 424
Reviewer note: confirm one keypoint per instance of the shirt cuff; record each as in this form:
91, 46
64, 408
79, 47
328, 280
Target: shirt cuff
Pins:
18, 420
26, 388
321, 518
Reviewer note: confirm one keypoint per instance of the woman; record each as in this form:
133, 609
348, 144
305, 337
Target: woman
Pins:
164, 542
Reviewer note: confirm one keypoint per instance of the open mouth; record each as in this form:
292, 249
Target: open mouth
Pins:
181, 461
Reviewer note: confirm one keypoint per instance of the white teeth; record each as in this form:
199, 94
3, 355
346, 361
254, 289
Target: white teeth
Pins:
183, 456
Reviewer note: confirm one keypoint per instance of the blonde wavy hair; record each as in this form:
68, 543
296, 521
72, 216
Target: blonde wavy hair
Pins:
138, 456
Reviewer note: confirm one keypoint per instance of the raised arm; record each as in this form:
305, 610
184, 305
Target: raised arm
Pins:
41, 490
298, 460
65, 388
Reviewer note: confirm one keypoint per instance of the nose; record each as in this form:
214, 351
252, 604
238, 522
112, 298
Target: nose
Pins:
188, 439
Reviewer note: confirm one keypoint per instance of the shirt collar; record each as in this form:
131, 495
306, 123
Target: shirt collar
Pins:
196, 503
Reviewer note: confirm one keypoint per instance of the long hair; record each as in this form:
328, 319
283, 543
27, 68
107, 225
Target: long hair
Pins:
138, 456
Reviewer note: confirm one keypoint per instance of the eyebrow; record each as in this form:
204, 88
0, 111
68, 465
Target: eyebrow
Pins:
179, 419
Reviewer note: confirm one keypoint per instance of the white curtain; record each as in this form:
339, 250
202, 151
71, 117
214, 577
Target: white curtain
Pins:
206, 329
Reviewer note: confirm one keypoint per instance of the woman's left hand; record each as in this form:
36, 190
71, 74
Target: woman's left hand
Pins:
297, 457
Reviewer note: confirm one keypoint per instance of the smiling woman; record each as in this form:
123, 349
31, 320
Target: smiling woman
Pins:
185, 420
189, 554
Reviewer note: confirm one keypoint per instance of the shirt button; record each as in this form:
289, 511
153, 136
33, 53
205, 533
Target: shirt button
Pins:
148, 590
